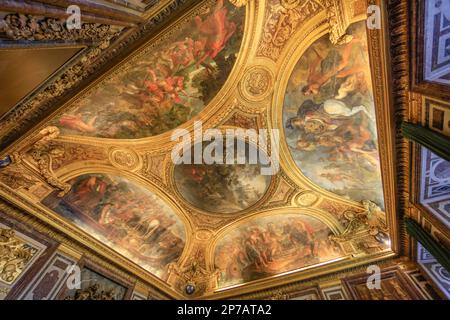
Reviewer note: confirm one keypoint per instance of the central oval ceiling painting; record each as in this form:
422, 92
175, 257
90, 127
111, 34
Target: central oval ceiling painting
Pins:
329, 117
125, 216
165, 85
223, 188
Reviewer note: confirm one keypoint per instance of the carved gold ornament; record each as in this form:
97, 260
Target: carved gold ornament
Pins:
20, 27
45, 154
306, 199
337, 22
125, 159
290, 4
15, 255
27, 27
257, 83
281, 24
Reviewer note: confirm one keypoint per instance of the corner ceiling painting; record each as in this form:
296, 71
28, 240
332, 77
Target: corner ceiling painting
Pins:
165, 85
330, 118
100, 170
272, 245
126, 216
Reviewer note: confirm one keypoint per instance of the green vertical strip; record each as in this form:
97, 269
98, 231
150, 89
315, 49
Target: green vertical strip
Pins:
439, 252
434, 141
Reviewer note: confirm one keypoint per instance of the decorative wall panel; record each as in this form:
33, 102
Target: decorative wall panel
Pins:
18, 252
309, 294
435, 186
404, 277
40, 64
394, 286
434, 270
272, 245
423, 285
437, 115
53, 277
437, 41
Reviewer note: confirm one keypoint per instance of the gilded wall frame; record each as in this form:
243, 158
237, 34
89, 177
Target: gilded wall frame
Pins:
417, 27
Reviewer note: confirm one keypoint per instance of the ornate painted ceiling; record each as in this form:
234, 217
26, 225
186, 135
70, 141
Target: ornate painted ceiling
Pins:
96, 161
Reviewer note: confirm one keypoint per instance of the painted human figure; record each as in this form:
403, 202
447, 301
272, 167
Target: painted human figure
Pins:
338, 64
215, 31
271, 242
169, 87
76, 122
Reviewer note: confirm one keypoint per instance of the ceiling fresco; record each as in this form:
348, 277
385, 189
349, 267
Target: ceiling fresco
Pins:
272, 245
434, 185
99, 169
126, 216
166, 84
329, 117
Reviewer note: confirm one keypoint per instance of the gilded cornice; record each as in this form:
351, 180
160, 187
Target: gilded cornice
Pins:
398, 11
